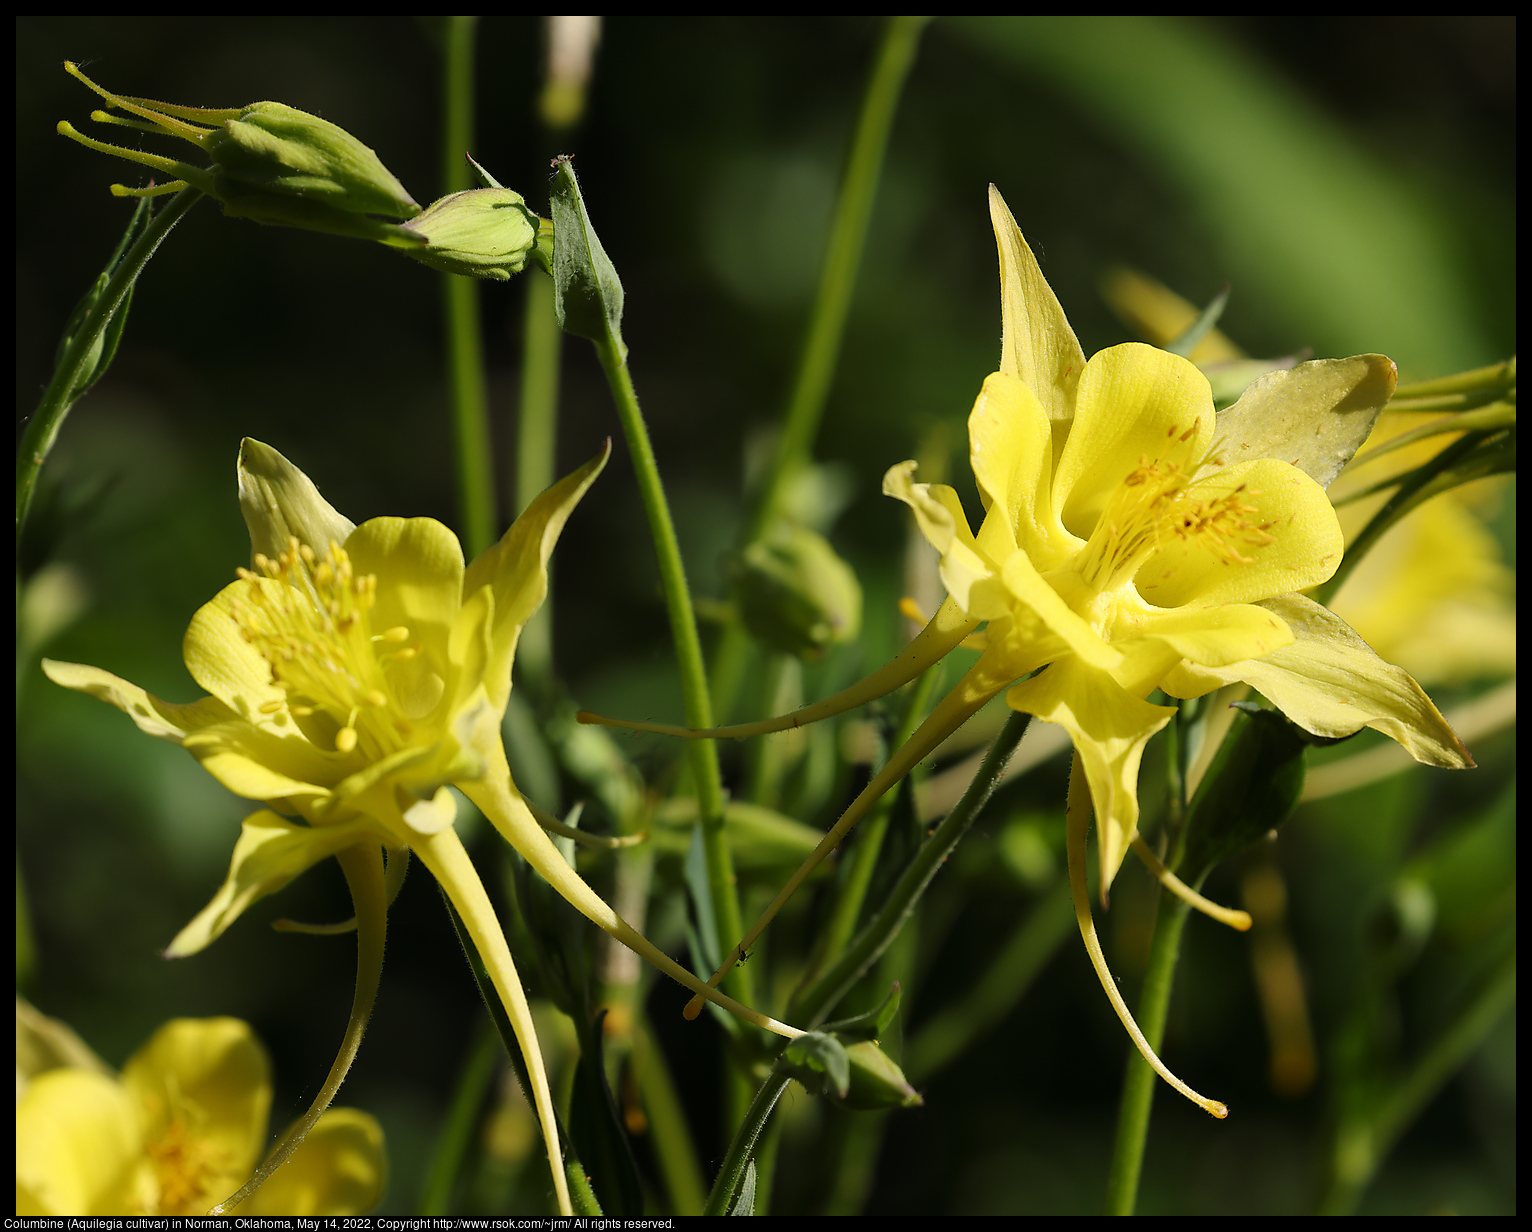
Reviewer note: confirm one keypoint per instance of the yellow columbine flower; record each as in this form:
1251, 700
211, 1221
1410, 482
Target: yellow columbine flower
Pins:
180, 1128
1133, 542
353, 675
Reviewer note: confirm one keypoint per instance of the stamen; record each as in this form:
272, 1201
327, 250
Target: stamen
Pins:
309, 616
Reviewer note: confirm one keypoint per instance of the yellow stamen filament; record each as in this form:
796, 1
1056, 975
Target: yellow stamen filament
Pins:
1077, 814
1231, 916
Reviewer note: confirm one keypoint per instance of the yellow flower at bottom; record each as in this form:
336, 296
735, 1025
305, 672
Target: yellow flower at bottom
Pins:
179, 1130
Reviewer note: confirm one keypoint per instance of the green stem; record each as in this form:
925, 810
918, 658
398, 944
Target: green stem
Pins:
460, 311
843, 256
43, 430
1139, 1080
864, 857
817, 1002
1361, 1145
443, 855
708, 779
536, 442
452, 1142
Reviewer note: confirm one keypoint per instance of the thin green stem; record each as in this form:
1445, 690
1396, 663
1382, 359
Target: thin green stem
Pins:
864, 857
43, 430
471, 441
843, 256
443, 855
817, 1002
708, 780
1139, 1080
536, 442
1362, 1144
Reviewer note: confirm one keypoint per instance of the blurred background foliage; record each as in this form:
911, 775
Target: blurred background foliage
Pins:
1352, 178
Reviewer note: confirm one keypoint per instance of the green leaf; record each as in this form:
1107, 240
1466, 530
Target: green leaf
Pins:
587, 294
744, 1204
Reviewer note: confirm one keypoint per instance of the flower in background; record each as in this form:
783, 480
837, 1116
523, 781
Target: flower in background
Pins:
178, 1130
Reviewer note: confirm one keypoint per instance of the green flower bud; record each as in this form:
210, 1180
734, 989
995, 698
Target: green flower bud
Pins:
876, 1082
860, 1076
796, 594
484, 232
270, 162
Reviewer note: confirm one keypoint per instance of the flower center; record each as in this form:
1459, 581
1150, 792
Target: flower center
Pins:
184, 1165
314, 627
1157, 502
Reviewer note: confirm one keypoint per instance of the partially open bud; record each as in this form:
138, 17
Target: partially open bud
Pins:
796, 594
270, 162
485, 232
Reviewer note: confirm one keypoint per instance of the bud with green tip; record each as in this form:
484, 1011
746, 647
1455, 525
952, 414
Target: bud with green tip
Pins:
270, 162
796, 594
483, 232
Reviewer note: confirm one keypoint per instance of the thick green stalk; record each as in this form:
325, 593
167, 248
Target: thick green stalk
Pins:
696, 703
46, 421
1139, 1081
471, 442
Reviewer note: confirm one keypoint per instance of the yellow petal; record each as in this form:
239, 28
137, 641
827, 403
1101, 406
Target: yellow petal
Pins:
1212, 636
1330, 682
222, 662
1011, 450
1041, 595
970, 577
1282, 504
78, 1147
339, 1169
1037, 346
271, 851
1135, 403
516, 569
419, 566
280, 503
1109, 728
166, 720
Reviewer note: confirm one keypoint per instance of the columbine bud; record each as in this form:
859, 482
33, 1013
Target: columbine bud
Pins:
270, 162
485, 232
796, 594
